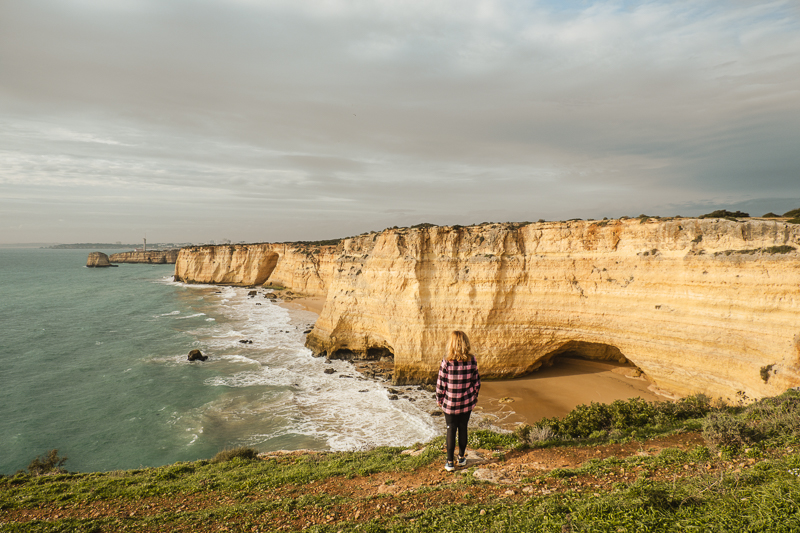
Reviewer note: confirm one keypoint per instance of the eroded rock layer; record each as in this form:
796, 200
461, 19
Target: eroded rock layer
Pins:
697, 305
154, 257
97, 259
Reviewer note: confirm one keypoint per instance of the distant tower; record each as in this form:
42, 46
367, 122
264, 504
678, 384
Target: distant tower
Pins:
145, 245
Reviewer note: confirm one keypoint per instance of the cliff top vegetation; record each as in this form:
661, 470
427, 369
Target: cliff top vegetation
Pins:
629, 466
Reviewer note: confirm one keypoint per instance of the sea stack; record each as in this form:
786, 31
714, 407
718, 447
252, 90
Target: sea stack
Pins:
98, 259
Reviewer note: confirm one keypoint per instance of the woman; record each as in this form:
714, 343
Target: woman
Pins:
457, 393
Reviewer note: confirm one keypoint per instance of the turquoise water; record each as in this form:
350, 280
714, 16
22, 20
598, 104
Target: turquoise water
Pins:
93, 363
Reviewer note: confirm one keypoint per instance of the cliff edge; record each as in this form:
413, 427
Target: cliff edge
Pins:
709, 305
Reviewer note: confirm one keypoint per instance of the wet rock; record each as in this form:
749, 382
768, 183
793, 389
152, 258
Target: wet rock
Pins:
196, 355
306, 332
394, 397
364, 390
437, 413
246, 341
330, 370
252, 293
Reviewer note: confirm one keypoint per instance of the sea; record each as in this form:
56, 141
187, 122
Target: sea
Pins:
93, 363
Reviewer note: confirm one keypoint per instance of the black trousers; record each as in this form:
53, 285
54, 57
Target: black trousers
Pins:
456, 423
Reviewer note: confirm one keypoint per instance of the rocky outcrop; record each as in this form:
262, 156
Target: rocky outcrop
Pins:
98, 259
160, 257
707, 305
197, 355
304, 268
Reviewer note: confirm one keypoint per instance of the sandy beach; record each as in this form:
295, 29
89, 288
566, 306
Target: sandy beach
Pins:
556, 390
307, 303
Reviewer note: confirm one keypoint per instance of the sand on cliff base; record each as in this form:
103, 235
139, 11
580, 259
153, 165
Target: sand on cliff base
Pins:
557, 390
308, 303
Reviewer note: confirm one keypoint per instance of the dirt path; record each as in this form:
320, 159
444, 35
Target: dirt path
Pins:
515, 476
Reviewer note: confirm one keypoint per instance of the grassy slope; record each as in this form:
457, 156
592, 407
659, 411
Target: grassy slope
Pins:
750, 484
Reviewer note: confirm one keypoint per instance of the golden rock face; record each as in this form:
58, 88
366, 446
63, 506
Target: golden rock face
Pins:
696, 305
152, 257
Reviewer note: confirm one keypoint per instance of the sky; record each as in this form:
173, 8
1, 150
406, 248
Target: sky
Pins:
257, 121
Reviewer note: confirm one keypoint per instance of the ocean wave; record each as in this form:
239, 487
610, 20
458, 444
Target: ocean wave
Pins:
288, 399
195, 315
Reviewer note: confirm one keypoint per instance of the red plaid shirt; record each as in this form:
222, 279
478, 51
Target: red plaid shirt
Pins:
458, 385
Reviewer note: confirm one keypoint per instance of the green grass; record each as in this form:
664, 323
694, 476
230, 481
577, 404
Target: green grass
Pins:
746, 478
233, 477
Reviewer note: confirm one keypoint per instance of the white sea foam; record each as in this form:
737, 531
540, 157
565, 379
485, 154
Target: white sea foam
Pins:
286, 392
195, 315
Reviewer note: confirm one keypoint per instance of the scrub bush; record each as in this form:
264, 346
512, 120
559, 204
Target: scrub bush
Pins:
247, 454
46, 464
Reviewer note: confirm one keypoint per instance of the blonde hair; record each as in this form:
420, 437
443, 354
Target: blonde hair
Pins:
458, 348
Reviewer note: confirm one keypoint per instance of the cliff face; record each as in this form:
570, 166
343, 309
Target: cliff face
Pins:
698, 305
155, 257
305, 269
98, 259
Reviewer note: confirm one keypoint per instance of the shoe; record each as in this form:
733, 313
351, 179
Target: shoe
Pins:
449, 466
462, 461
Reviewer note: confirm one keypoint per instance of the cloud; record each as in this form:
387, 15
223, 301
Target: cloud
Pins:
349, 114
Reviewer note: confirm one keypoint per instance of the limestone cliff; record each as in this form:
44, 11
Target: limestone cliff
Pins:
153, 257
305, 269
98, 259
698, 305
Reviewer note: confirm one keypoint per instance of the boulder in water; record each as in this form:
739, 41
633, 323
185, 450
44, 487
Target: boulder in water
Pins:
196, 355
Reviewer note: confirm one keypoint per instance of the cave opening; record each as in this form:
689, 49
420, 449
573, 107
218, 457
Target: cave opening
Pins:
342, 353
572, 374
372, 353
570, 355
376, 353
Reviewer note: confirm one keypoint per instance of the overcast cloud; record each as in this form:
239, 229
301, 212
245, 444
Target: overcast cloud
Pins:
270, 121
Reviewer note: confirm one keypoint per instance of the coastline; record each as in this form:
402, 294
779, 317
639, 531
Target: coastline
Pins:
546, 393
312, 304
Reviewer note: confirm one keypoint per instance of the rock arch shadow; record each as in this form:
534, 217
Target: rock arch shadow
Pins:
372, 352
568, 354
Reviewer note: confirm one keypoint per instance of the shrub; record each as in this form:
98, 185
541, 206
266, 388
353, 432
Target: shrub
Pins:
522, 432
245, 453
770, 215
723, 430
778, 416
765, 372
528, 434
590, 421
49, 463
794, 213
724, 213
